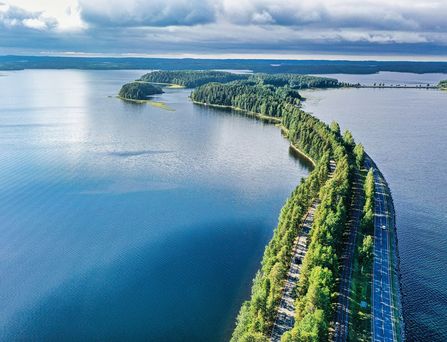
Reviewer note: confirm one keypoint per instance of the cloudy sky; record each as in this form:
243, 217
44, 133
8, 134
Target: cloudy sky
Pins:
269, 28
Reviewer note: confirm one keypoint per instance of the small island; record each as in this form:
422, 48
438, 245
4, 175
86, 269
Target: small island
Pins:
442, 85
138, 91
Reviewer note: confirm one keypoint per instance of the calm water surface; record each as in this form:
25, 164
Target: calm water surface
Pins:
405, 132
128, 222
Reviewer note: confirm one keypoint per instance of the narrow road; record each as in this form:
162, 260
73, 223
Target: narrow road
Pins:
383, 327
386, 311
286, 311
350, 240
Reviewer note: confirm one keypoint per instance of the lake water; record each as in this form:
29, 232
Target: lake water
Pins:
129, 222
405, 132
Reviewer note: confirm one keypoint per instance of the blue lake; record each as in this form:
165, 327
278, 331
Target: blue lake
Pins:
129, 222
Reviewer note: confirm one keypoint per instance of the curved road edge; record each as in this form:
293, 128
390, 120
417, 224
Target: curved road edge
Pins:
387, 319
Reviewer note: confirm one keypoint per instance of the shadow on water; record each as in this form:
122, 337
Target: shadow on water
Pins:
175, 275
303, 160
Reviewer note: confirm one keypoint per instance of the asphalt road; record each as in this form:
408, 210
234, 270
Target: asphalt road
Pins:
383, 328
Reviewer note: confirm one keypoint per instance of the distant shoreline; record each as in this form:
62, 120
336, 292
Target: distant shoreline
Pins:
294, 66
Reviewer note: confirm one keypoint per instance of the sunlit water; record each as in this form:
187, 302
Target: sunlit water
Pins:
129, 222
405, 131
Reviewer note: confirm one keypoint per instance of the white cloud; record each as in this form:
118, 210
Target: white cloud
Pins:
14, 17
34, 23
64, 13
263, 17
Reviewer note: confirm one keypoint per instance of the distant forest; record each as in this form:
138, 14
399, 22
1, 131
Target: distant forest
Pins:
192, 79
257, 65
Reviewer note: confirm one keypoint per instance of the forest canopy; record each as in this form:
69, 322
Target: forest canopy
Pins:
189, 78
192, 79
138, 91
247, 95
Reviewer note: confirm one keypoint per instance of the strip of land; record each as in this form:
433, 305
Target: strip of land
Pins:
286, 310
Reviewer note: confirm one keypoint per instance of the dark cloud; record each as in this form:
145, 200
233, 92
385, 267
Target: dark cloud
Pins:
415, 27
133, 13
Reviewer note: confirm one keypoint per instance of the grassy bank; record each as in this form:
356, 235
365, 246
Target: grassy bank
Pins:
157, 104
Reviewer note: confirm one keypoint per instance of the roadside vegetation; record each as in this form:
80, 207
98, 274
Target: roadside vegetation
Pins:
361, 281
443, 85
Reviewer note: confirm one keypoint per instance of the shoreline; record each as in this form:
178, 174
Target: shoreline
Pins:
285, 132
166, 85
394, 271
268, 119
157, 104
262, 117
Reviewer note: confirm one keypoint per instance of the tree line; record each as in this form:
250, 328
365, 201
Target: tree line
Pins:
296, 81
192, 79
367, 221
248, 96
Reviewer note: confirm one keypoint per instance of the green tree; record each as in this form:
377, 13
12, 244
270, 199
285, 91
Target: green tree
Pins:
367, 221
335, 127
348, 139
359, 153
138, 91
366, 249
312, 328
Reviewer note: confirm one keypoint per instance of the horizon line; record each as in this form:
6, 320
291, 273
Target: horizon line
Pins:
234, 56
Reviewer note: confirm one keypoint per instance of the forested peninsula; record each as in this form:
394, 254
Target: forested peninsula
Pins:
317, 283
325, 199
